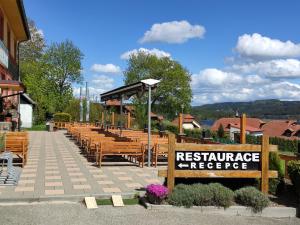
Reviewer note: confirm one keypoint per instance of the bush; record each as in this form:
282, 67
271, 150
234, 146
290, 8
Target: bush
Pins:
222, 196
251, 197
62, 117
293, 168
182, 195
203, 196
156, 193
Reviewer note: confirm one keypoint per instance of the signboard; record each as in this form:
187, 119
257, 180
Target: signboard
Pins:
188, 160
3, 55
211, 160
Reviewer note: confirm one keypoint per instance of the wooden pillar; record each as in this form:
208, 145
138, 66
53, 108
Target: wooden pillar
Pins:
265, 164
243, 129
102, 118
171, 162
128, 120
180, 120
112, 118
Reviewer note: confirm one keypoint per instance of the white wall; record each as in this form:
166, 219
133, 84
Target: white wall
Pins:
26, 115
188, 126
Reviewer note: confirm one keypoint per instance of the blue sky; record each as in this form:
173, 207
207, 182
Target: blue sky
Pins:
235, 50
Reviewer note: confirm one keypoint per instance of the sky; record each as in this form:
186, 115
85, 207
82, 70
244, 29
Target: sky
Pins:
234, 50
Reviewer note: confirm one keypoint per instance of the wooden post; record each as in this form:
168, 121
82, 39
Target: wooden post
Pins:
102, 118
128, 120
265, 164
112, 118
180, 118
243, 129
171, 162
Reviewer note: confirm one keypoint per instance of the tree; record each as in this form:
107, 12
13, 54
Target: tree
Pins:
221, 132
173, 91
63, 63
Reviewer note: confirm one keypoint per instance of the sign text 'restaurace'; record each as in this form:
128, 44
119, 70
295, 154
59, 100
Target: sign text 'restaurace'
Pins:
211, 160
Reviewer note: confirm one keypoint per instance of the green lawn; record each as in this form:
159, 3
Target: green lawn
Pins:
39, 127
129, 201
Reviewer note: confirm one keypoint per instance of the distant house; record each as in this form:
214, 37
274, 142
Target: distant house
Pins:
116, 104
287, 129
232, 126
26, 110
188, 122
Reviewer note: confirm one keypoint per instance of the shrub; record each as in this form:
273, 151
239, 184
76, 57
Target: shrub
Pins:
293, 168
203, 196
251, 197
222, 196
156, 193
62, 117
182, 195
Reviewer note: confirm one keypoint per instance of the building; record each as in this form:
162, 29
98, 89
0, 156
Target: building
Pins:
26, 111
188, 122
287, 129
13, 31
232, 126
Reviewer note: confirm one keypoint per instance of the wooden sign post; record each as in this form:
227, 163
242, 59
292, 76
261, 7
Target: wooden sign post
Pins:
243, 129
218, 161
128, 120
180, 120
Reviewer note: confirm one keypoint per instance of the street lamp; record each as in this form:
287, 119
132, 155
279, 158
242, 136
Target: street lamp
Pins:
149, 83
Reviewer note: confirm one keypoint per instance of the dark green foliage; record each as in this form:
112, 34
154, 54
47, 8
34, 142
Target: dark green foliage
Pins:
170, 127
194, 133
62, 117
201, 195
222, 196
268, 109
251, 197
221, 132
293, 168
182, 195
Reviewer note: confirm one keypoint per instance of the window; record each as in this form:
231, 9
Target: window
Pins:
1, 26
8, 38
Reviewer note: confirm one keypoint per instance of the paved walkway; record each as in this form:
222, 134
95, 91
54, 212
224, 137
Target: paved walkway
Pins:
57, 168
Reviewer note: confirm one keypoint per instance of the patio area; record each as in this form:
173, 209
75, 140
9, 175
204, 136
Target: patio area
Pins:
56, 168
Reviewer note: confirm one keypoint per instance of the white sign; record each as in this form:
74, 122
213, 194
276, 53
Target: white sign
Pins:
3, 55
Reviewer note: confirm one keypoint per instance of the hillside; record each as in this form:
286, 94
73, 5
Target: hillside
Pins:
264, 109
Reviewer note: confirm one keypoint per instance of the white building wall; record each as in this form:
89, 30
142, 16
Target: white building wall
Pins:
188, 126
26, 115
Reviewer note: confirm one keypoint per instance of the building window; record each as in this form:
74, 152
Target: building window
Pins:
16, 49
8, 38
1, 26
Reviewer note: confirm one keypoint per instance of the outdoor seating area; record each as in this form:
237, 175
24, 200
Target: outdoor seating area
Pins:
98, 143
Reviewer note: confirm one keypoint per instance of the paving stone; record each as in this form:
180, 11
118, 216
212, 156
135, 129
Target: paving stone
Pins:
81, 186
105, 182
99, 176
152, 181
134, 185
52, 177
24, 189
26, 182
111, 190
53, 184
125, 178
75, 174
78, 180
54, 192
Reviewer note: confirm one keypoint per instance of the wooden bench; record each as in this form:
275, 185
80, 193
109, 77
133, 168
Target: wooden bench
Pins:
133, 149
18, 147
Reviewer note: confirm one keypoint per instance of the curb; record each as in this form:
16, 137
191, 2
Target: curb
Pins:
72, 198
271, 212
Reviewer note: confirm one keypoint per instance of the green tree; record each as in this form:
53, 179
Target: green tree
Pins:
221, 132
173, 91
63, 63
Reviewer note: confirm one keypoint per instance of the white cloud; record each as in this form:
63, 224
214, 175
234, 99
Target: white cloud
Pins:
154, 51
97, 85
258, 46
106, 68
213, 85
277, 68
173, 32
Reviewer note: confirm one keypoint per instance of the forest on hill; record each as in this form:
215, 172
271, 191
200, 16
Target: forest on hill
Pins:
264, 109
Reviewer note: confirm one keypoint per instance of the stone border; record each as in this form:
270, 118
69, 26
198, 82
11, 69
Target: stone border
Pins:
272, 212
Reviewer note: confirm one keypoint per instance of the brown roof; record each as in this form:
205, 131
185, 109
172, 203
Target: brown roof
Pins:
277, 128
253, 123
187, 118
113, 102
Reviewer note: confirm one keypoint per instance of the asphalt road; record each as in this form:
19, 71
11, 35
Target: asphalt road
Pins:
75, 213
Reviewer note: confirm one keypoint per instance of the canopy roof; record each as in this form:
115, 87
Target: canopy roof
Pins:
126, 91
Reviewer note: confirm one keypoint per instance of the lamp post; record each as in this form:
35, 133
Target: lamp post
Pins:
149, 83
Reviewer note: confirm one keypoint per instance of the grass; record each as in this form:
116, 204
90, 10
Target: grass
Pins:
40, 127
128, 201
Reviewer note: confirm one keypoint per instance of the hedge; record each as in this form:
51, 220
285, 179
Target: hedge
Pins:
293, 168
62, 117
